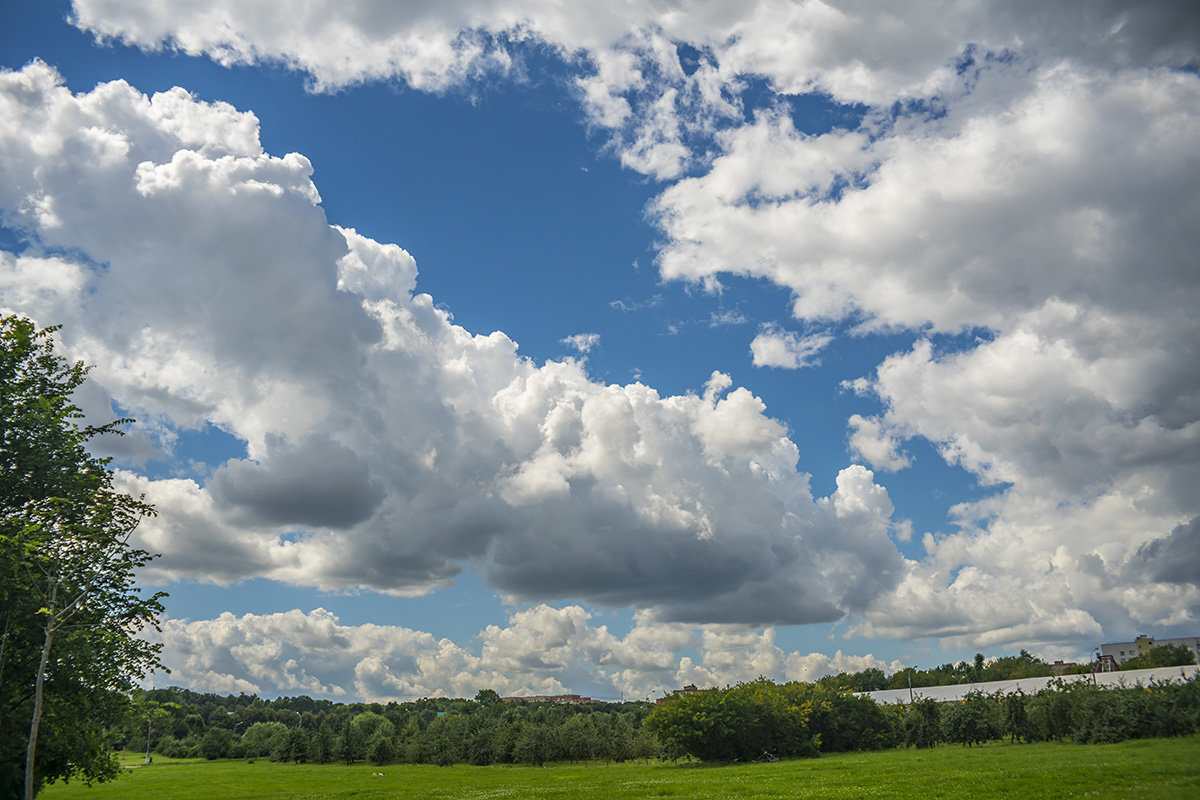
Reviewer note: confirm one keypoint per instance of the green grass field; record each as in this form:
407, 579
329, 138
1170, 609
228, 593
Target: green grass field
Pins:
1159, 768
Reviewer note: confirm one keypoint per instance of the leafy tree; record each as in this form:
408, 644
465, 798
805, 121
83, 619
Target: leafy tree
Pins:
321, 747
149, 711
373, 726
352, 745
923, 723
1167, 655
739, 723
381, 751
69, 652
973, 720
578, 739
261, 738
1015, 717
1023, 665
849, 722
291, 745
534, 746
870, 680
216, 743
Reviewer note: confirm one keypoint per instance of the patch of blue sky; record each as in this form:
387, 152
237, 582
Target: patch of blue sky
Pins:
19, 241
193, 453
13, 241
691, 58
817, 113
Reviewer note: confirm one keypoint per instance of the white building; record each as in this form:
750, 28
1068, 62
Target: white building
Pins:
1123, 651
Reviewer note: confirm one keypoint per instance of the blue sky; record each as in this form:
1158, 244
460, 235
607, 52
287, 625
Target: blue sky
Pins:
611, 350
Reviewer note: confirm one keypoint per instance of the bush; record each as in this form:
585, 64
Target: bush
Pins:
844, 721
216, 743
1103, 716
739, 723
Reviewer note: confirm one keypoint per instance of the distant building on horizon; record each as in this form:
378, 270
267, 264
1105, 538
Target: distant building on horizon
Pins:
1120, 652
689, 689
565, 699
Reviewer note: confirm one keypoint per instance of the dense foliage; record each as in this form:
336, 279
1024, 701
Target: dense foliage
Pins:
69, 611
1078, 711
485, 730
1023, 665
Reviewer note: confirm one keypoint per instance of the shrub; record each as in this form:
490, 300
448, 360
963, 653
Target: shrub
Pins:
739, 723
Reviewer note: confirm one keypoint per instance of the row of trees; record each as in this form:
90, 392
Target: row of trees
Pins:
486, 730
765, 719
1078, 711
762, 719
758, 719
979, 670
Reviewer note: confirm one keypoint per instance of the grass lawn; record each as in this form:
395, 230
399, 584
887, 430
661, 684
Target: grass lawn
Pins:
1149, 768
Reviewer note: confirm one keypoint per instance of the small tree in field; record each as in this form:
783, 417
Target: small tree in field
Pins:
69, 653
975, 719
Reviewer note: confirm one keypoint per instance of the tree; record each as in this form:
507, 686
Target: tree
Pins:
69, 652
352, 745
321, 747
975, 719
922, 723
262, 738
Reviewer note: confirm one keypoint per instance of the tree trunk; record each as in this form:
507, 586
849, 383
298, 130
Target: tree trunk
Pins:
31, 750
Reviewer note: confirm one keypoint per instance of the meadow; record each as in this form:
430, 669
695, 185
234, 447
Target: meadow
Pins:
1158, 768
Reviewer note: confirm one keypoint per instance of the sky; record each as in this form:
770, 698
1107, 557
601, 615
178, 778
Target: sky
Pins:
610, 347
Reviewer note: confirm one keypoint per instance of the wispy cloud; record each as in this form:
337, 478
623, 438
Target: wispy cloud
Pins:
628, 305
582, 342
775, 347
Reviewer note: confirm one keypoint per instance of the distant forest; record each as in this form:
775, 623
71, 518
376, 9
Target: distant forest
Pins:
758, 719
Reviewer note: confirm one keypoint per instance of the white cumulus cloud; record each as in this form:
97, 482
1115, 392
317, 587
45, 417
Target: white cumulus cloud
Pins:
540, 650
385, 446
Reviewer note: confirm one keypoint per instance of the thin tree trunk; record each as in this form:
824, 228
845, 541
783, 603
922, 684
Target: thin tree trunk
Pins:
31, 750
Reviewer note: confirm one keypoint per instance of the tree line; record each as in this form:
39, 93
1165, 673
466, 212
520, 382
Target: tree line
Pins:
761, 719
981, 670
753, 720
486, 730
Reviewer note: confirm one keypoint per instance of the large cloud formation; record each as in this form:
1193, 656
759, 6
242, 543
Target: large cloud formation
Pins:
387, 446
1014, 186
541, 650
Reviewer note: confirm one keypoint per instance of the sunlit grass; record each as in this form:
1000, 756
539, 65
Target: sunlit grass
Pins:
1158, 768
